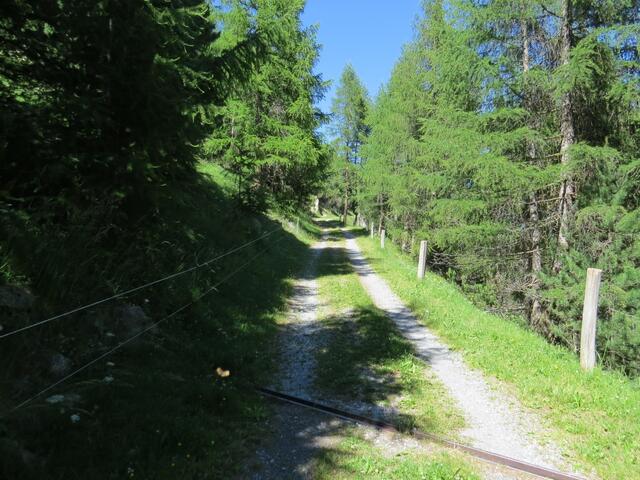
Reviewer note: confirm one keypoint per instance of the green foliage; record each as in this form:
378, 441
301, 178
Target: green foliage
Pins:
465, 151
267, 129
106, 108
349, 128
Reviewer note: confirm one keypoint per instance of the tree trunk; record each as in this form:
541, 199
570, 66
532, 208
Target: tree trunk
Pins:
536, 319
567, 133
381, 213
345, 209
536, 314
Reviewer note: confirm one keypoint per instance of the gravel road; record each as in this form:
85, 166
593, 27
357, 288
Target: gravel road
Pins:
495, 420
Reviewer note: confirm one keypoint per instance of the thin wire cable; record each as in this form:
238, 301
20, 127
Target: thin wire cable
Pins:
132, 338
135, 289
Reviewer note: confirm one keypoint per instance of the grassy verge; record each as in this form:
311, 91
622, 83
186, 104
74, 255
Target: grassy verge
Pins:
356, 458
596, 415
156, 409
366, 360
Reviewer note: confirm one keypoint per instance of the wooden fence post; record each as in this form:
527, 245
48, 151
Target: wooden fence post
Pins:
589, 319
382, 235
422, 259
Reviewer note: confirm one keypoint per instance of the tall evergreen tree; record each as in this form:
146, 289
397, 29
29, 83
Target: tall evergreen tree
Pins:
500, 138
349, 110
267, 136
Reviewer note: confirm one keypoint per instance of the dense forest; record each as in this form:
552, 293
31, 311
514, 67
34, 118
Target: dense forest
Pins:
113, 114
507, 137
152, 149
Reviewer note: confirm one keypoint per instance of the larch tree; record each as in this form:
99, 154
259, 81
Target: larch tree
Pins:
349, 128
507, 137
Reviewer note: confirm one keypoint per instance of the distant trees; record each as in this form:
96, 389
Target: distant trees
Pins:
349, 129
507, 136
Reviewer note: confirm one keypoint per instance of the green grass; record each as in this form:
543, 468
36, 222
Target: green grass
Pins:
595, 415
365, 359
164, 413
364, 346
356, 458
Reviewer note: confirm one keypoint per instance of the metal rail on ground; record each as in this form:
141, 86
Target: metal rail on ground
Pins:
478, 453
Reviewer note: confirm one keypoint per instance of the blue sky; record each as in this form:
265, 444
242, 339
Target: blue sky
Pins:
369, 34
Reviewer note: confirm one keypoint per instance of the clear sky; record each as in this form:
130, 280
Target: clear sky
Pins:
369, 34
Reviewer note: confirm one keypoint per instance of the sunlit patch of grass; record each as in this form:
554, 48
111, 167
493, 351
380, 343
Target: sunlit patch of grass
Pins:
367, 360
354, 457
595, 415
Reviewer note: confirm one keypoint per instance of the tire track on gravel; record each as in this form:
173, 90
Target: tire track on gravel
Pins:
298, 434
496, 421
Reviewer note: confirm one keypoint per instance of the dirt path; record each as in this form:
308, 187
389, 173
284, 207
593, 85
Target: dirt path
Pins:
496, 422
298, 434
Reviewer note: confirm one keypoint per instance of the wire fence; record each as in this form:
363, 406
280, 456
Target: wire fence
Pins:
138, 288
139, 334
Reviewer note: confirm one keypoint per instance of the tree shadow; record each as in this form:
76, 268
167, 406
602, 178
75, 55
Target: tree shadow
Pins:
151, 402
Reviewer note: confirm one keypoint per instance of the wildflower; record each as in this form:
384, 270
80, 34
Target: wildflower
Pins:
107, 379
111, 364
75, 418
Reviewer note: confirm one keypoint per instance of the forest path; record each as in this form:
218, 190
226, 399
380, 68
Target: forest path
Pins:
495, 420
298, 434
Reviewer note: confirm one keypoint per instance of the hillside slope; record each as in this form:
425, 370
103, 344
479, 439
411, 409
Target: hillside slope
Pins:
155, 408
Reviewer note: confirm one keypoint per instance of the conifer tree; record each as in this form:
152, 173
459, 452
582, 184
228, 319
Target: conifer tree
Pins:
506, 138
267, 135
349, 110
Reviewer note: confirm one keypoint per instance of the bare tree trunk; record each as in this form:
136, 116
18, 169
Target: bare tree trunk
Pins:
536, 314
535, 261
345, 210
567, 133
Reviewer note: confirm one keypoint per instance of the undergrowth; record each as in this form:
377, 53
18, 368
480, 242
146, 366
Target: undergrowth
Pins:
157, 408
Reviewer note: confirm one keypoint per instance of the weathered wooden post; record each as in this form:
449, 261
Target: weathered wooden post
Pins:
372, 227
589, 319
422, 259
382, 235
316, 206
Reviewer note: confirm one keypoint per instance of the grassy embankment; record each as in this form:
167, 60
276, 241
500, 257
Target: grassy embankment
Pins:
595, 415
366, 360
155, 409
